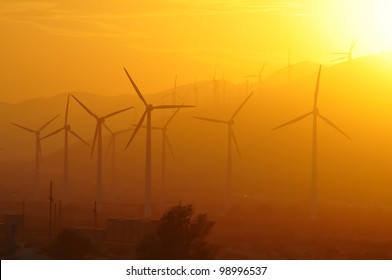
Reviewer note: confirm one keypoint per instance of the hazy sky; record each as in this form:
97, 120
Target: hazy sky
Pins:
49, 47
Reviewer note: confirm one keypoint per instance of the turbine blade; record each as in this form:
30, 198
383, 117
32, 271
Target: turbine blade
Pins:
171, 117
210, 120
240, 107
317, 89
232, 135
95, 140
333, 125
136, 88
66, 111
262, 68
136, 129
172, 106
80, 138
152, 127
340, 58
51, 134
117, 112
46, 124
122, 131
107, 128
85, 108
22, 127
169, 145
293, 121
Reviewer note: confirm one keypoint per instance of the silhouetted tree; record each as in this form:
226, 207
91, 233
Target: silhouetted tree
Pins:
180, 235
70, 245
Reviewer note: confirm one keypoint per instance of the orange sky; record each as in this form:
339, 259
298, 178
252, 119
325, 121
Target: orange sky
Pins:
49, 46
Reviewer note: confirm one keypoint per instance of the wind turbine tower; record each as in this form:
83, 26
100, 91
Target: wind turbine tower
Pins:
113, 148
315, 114
37, 146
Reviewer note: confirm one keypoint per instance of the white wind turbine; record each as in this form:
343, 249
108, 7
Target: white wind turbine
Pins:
173, 92
148, 109
316, 114
67, 129
346, 55
37, 146
216, 84
259, 76
230, 139
98, 138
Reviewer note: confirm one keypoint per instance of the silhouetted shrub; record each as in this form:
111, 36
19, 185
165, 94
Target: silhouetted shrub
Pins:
70, 245
179, 235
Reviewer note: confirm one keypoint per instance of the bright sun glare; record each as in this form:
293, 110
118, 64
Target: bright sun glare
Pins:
370, 21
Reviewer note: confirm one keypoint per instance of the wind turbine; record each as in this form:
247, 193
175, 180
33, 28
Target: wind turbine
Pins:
112, 147
230, 139
259, 76
316, 114
67, 129
346, 55
173, 93
216, 83
37, 146
98, 138
147, 112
